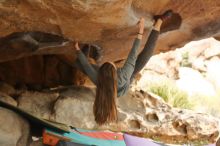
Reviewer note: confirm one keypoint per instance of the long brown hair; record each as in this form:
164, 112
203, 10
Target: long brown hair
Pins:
104, 107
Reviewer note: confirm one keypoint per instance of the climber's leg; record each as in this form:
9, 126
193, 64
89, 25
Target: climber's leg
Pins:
148, 50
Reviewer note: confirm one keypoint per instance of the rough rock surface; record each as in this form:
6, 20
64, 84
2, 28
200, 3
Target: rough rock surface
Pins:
37, 103
112, 27
139, 114
14, 130
7, 89
201, 55
8, 99
197, 74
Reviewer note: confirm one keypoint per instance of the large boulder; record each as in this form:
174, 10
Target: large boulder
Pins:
141, 114
14, 130
8, 99
37, 103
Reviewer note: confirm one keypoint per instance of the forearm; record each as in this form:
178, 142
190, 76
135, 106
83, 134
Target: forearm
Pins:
132, 56
129, 65
87, 67
133, 53
140, 33
147, 52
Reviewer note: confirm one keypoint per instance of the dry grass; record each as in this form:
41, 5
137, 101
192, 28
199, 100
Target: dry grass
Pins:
171, 94
177, 98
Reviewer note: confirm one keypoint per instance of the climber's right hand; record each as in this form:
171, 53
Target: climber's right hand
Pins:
77, 46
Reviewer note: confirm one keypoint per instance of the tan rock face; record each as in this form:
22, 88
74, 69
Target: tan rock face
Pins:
109, 24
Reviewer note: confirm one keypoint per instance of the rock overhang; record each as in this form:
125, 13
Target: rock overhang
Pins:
111, 24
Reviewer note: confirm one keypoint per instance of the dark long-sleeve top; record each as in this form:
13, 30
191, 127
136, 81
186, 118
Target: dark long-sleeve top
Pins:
123, 74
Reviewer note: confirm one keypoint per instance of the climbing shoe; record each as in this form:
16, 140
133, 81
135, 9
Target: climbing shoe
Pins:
166, 15
171, 21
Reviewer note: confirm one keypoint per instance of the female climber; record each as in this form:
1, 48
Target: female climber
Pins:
112, 82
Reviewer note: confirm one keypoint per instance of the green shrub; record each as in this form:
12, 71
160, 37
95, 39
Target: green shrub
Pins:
160, 90
171, 94
185, 60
